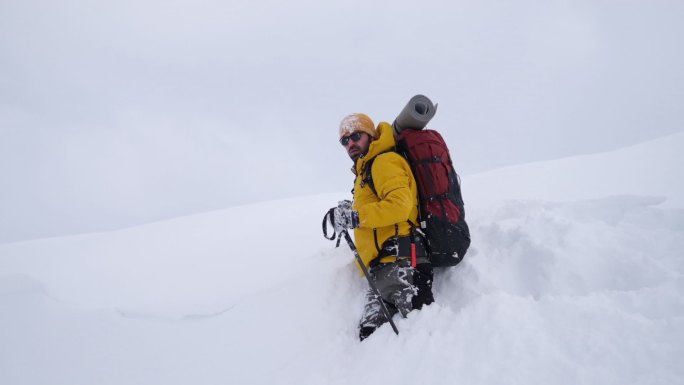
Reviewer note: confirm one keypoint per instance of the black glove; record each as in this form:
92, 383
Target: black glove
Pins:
344, 217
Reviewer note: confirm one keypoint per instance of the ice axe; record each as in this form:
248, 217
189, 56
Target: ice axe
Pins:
339, 233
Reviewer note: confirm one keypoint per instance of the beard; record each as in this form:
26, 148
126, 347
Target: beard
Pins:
355, 152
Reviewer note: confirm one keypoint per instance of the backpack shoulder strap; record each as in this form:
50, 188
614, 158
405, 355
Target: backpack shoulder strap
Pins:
368, 176
368, 172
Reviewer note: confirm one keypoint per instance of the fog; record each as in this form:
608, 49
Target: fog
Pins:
116, 114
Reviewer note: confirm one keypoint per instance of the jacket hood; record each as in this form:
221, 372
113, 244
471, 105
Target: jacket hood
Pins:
385, 142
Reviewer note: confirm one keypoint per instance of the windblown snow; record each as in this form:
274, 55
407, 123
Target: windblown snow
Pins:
575, 276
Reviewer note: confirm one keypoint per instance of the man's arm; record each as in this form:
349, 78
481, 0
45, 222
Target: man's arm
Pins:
391, 177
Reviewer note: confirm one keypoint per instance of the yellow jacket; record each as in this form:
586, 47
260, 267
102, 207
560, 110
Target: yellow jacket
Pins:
396, 201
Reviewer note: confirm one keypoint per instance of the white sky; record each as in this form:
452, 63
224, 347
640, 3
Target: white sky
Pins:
123, 112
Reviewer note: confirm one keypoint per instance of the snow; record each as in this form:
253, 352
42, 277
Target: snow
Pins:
641, 170
575, 275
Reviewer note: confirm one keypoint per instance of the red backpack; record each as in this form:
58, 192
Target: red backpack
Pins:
440, 205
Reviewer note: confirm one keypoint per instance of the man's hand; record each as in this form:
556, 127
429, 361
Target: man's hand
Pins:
345, 217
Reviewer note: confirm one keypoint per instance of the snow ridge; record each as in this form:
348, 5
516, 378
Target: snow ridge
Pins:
561, 291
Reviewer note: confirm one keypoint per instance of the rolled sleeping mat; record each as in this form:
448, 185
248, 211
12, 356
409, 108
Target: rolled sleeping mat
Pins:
416, 114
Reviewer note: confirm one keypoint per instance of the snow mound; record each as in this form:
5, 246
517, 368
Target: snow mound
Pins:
650, 169
563, 291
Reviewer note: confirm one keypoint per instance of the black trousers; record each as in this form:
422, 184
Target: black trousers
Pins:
402, 287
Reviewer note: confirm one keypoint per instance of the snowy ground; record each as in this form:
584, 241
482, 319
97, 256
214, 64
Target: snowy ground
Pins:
575, 276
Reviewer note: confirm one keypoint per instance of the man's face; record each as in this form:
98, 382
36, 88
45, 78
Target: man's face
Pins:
356, 144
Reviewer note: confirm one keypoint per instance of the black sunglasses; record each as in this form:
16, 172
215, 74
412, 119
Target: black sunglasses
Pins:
354, 136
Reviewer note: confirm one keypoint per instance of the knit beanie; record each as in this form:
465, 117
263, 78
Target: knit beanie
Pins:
357, 122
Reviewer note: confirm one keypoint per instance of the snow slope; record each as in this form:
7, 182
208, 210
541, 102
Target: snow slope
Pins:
645, 169
562, 285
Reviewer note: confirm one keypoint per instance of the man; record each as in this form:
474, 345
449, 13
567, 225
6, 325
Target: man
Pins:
383, 215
